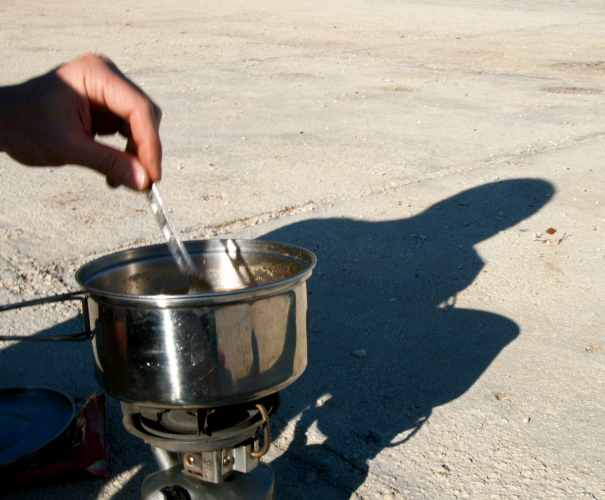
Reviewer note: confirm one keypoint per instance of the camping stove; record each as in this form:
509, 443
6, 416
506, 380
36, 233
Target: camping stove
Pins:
198, 373
206, 453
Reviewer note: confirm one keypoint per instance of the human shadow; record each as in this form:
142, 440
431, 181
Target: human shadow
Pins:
389, 289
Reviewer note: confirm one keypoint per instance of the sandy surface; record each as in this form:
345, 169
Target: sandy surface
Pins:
422, 150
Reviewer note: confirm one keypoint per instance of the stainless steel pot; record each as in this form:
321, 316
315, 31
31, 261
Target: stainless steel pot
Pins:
156, 345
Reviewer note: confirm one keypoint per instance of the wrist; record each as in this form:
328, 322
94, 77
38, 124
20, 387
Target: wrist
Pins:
8, 99
19, 123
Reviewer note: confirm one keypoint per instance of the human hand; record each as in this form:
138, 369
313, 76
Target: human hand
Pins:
52, 120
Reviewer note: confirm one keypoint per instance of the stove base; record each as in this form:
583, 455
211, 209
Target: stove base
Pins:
173, 484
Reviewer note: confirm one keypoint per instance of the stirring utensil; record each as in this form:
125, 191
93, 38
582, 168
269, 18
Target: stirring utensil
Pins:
197, 283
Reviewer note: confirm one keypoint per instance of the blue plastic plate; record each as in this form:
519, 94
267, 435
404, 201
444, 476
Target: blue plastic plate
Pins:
30, 419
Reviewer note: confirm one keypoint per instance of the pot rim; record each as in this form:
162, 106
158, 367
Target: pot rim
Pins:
285, 251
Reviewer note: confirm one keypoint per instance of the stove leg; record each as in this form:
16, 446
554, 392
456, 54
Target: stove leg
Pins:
165, 459
173, 484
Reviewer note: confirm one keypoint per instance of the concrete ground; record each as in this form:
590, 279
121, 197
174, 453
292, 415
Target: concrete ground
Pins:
425, 151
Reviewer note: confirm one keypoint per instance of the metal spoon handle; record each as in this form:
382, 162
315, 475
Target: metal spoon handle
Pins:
173, 236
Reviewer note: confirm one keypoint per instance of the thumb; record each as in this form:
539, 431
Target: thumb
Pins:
119, 168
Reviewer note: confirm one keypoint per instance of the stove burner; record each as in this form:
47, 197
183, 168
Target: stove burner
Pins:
202, 429
206, 453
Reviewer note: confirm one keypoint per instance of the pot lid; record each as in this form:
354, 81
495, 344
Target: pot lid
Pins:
30, 419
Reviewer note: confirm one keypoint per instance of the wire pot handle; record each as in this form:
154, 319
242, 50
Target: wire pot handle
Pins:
73, 337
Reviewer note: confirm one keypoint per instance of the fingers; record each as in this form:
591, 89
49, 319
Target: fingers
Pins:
107, 89
119, 168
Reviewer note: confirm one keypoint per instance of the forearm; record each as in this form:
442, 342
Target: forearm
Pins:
8, 96
19, 126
